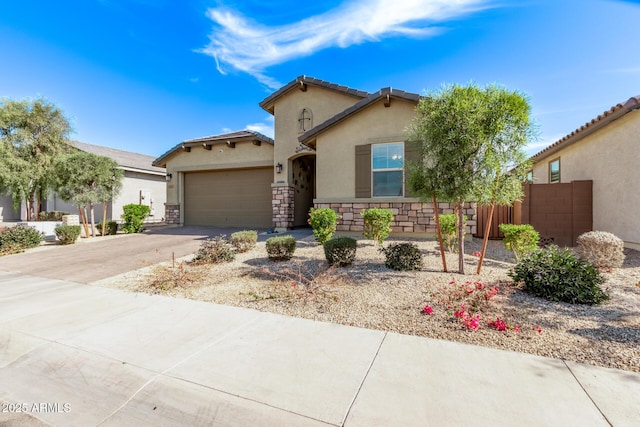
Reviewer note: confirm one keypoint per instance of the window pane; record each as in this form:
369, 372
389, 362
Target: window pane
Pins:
388, 156
387, 184
554, 171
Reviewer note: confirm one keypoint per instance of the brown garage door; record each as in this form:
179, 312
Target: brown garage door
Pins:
229, 198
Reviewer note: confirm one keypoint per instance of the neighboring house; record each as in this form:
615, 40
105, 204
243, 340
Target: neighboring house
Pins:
334, 147
142, 183
605, 150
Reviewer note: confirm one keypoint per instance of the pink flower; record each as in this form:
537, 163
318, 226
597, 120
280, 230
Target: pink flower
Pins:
498, 324
477, 253
537, 328
491, 293
460, 313
427, 310
516, 328
452, 282
479, 285
472, 323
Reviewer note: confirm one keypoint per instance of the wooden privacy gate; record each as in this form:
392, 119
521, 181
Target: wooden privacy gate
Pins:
559, 212
501, 215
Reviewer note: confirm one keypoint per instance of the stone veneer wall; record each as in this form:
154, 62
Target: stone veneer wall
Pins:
282, 202
172, 213
409, 217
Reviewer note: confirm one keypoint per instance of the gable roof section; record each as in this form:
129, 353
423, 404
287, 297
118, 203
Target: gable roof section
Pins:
588, 128
386, 94
226, 138
125, 159
301, 83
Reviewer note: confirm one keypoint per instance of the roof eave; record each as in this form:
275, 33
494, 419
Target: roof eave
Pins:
614, 113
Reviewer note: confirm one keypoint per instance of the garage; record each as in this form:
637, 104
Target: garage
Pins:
229, 198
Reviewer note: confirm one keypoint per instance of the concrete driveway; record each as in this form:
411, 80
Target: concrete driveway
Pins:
88, 262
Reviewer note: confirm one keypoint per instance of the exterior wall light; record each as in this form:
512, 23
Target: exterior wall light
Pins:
279, 168
168, 177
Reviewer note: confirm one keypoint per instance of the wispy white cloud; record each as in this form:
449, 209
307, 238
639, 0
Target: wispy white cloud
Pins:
241, 43
265, 127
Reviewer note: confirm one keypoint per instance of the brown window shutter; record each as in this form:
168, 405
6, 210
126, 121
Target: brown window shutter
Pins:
411, 155
363, 171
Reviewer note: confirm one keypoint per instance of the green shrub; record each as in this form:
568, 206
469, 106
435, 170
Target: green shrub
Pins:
281, 248
214, 251
377, 223
340, 251
134, 216
20, 237
402, 256
602, 249
520, 239
323, 223
67, 234
51, 215
244, 240
558, 275
110, 229
450, 232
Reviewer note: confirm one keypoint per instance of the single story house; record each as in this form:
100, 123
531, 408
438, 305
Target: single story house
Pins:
606, 151
334, 146
142, 183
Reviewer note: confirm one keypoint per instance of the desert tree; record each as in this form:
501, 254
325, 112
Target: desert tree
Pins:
86, 179
468, 138
32, 135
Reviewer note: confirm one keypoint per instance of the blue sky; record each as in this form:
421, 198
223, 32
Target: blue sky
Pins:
143, 75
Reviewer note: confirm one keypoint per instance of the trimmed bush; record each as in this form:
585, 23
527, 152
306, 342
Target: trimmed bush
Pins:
377, 223
67, 234
281, 248
214, 251
244, 241
520, 239
402, 256
450, 232
20, 237
134, 216
111, 228
340, 251
558, 275
51, 215
323, 222
602, 249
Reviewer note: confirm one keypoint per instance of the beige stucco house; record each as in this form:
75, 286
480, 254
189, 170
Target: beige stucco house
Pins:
143, 183
333, 147
605, 150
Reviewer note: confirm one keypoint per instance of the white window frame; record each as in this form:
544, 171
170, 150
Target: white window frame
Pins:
374, 170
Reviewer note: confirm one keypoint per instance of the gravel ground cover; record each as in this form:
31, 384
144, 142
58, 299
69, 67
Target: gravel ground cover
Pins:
369, 295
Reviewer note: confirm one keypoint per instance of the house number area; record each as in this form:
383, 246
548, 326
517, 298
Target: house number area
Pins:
40, 407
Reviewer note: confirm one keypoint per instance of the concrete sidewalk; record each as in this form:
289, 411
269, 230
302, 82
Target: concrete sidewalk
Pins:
82, 355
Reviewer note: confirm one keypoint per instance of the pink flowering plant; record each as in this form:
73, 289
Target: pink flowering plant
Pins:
468, 303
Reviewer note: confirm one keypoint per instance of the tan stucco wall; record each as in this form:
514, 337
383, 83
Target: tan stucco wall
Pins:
335, 148
153, 188
611, 158
323, 103
245, 154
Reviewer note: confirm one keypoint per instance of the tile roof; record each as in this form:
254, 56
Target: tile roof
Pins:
388, 93
126, 159
237, 136
588, 128
302, 81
